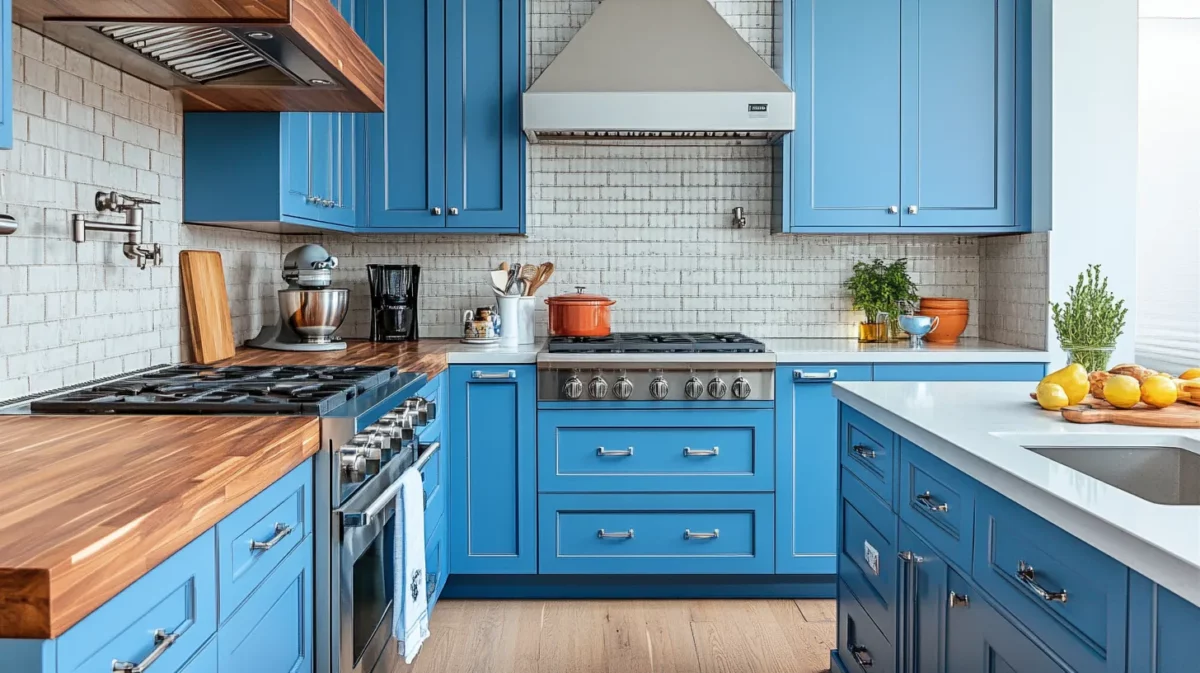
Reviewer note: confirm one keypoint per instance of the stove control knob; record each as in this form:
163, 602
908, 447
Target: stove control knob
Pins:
353, 462
717, 388
573, 388
623, 389
694, 388
741, 388
598, 387
419, 407
659, 388
398, 424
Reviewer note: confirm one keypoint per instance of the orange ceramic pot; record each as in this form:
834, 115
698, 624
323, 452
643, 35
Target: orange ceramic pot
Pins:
580, 315
952, 315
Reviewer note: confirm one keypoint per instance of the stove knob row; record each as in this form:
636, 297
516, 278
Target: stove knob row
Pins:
623, 388
741, 388
425, 410
659, 388
717, 388
694, 388
598, 388
573, 388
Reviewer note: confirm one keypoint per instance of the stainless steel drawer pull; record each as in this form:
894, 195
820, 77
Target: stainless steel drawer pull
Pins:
863, 451
603, 534
861, 656
601, 451
959, 600
689, 535
689, 451
932, 505
427, 451
800, 374
282, 530
485, 376
1025, 573
162, 642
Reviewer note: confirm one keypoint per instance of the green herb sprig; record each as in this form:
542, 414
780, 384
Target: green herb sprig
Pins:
1091, 318
878, 287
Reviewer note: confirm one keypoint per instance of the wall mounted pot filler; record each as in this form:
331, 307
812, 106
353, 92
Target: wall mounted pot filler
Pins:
131, 207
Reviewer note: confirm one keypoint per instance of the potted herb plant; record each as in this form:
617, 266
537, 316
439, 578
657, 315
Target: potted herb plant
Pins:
878, 289
1089, 322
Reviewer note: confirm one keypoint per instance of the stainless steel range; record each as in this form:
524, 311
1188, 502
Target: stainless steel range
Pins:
371, 425
646, 367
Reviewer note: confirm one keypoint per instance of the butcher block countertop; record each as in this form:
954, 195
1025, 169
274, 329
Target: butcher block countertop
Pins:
427, 356
89, 504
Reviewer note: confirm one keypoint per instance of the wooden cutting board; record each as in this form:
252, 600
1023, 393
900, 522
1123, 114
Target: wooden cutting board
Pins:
207, 305
1174, 416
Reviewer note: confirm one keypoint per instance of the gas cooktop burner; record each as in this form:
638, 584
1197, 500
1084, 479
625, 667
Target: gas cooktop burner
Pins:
200, 389
659, 342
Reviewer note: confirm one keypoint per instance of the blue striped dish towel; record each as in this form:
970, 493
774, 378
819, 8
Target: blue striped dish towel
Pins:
410, 622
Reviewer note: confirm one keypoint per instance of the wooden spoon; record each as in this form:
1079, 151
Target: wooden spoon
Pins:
528, 274
504, 266
544, 271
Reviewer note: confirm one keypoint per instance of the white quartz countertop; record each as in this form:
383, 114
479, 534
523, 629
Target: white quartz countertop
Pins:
850, 351
470, 354
980, 428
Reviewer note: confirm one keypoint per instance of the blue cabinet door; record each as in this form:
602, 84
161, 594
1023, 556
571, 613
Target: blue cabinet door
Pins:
1162, 629
272, 632
6, 55
484, 161
406, 144
960, 114
980, 640
923, 581
493, 489
806, 466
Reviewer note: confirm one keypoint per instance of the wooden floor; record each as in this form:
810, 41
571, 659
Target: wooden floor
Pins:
634, 636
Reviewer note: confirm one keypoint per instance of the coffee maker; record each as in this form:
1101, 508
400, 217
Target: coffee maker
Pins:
394, 301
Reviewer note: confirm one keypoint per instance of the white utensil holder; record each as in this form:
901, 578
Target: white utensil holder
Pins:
525, 310
510, 320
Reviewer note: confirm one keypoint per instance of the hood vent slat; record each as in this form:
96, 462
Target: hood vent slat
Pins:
199, 53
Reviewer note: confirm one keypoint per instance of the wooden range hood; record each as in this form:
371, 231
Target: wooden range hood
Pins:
223, 55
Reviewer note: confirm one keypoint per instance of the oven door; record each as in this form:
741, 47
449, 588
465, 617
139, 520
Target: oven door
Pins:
366, 577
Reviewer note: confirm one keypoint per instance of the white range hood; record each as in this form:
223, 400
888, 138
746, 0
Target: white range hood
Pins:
648, 69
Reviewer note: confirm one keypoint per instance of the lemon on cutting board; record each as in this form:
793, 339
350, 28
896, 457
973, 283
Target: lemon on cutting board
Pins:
1193, 373
1051, 396
1122, 391
1159, 391
1073, 379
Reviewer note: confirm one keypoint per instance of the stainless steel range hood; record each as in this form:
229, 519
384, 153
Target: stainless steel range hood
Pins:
657, 69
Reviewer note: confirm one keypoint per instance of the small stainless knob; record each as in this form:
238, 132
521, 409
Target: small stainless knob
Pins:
717, 388
354, 462
435, 211
659, 388
741, 388
893, 210
623, 388
419, 408
573, 388
912, 210
694, 388
598, 388
453, 211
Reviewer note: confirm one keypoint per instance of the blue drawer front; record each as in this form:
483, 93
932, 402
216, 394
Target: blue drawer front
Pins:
178, 596
1088, 629
656, 450
862, 647
868, 451
1026, 371
869, 536
662, 534
272, 632
437, 562
280, 515
938, 502
433, 482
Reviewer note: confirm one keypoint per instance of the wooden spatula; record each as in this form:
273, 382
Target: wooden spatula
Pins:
207, 305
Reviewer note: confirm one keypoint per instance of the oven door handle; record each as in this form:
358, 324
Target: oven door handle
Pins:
373, 510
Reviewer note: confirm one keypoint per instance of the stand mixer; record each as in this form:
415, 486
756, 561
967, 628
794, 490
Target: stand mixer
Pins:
309, 310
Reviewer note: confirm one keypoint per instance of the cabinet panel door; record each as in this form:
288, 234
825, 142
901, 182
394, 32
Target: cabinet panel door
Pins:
406, 144
493, 489
846, 148
979, 639
6, 57
960, 113
484, 163
924, 606
272, 631
346, 185
300, 137
806, 466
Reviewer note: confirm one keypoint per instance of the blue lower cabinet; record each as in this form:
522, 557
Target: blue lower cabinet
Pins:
205, 660
437, 563
937, 501
806, 465
862, 646
272, 631
868, 564
924, 598
1027, 371
493, 475
870, 452
980, 640
656, 533
1162, 629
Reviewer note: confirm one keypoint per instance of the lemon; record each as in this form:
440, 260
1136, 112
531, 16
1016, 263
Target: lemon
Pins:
1122, 391
1159, 391
1193, 373
1074, 381
1051, 396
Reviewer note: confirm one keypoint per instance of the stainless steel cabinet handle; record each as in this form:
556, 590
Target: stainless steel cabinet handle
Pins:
893, 210
863, 451
861, 656
912, 210
959, 600
689, 535
453, 210
427, 452
282, 530
435, 211
689, 451
601, 451
800, 374
1025, 573
311, 199
485, 376
162, 642
603, 534
932, 505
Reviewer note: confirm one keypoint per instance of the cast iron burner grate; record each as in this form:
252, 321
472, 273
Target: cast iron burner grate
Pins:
659, 342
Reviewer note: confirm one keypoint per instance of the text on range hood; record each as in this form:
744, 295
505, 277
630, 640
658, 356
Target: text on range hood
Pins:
657, 69
224, 55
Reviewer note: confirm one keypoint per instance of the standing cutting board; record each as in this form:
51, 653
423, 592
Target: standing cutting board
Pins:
1174, 416
207, 305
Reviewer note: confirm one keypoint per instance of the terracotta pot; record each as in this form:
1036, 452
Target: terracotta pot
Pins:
950, 325
580, 315
944, 303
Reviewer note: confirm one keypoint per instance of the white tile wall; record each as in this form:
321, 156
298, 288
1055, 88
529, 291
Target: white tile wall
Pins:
72, 312
1014, 291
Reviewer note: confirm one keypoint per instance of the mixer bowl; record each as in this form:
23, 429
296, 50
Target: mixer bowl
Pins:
314, 315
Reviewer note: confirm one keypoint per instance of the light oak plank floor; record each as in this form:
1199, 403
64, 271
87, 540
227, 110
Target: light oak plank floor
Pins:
634, 636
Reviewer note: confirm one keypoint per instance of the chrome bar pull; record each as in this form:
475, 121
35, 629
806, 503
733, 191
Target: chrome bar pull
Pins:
282, 530
959, 600
861, 656
162, 642
932, 505
689, 451
863, 451
492, 376
605, 535
1026, 574
801, 375
601, 451
689, 535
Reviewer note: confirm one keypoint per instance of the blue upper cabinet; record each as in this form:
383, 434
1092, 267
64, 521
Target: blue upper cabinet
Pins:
910, 114
6, 76
447, 155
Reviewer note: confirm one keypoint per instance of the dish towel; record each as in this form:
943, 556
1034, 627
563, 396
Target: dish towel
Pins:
411, 614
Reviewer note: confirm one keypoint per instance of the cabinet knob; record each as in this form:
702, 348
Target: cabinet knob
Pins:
453, 210
912, 210
435, 211
893, 210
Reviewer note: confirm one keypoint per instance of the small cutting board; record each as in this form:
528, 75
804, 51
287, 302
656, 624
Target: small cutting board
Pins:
207, 305
1174, 416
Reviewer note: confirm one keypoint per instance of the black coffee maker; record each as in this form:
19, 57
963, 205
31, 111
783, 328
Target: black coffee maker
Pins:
394, 301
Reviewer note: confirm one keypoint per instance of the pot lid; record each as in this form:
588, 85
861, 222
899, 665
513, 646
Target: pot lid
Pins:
578, 297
